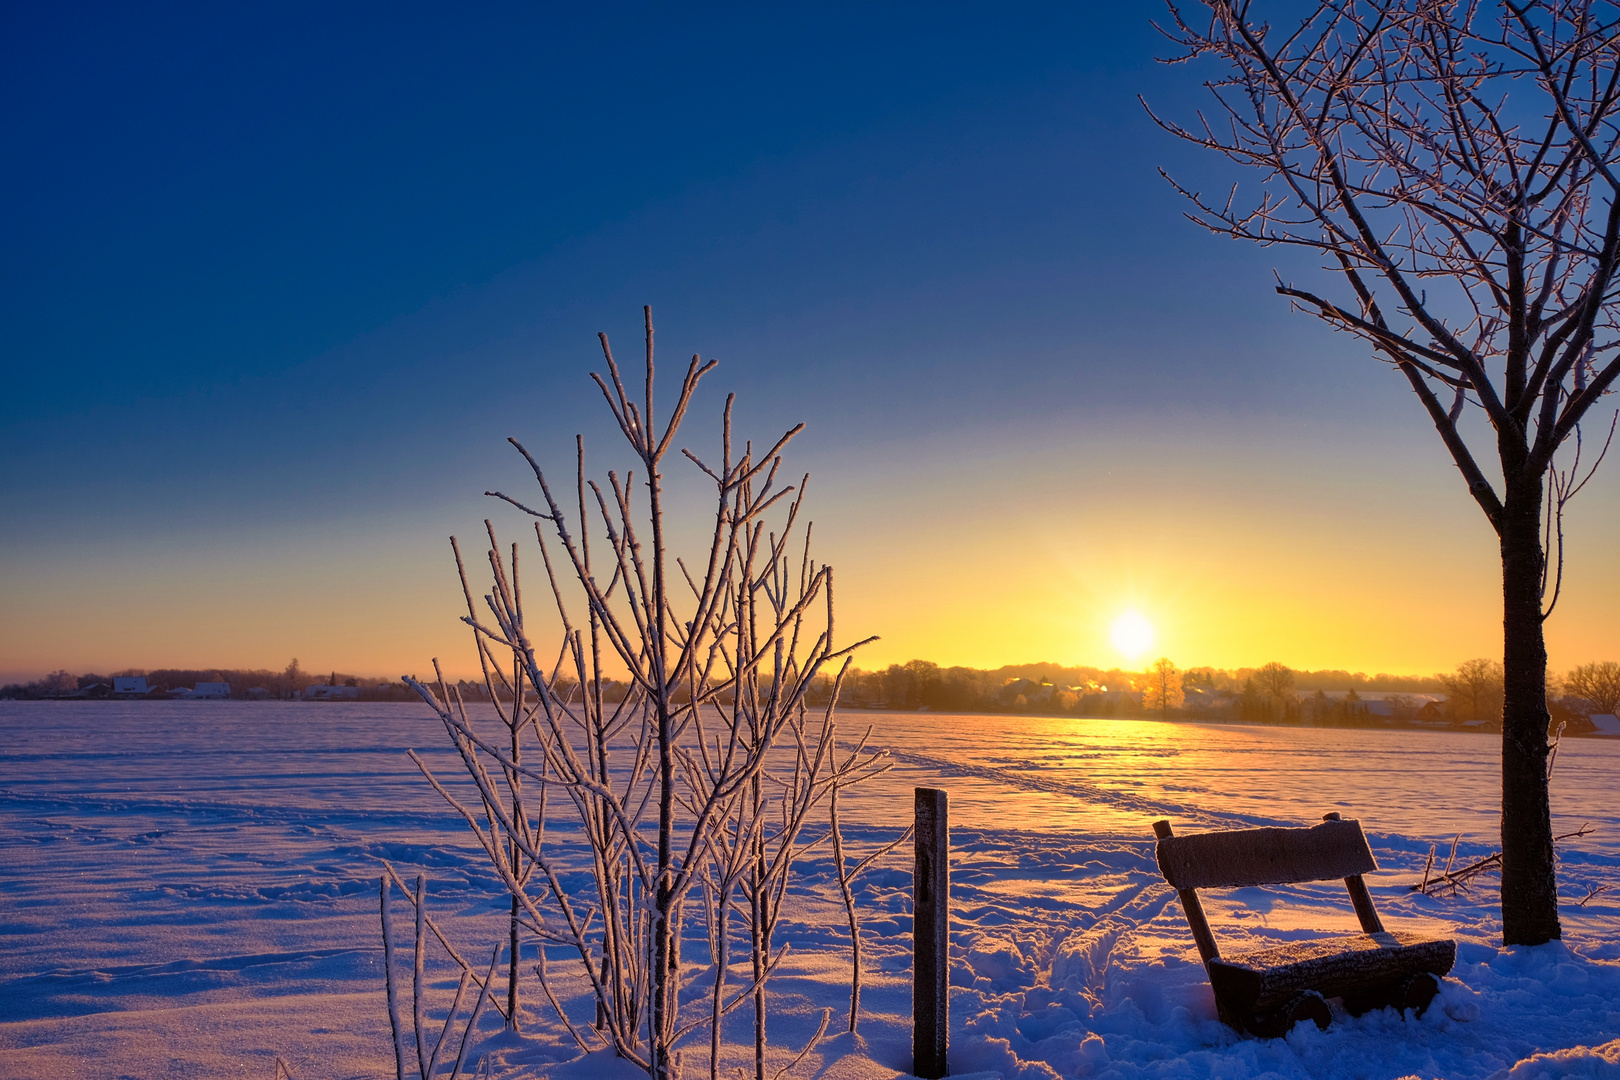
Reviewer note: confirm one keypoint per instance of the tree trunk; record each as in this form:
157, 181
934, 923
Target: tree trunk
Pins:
1529, 885
759, 941
518, 814
512, 969
664, 977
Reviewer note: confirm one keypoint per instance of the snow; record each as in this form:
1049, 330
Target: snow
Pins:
190, 890
1581, 1061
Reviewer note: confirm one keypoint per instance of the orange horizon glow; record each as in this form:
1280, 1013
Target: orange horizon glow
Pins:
968, 555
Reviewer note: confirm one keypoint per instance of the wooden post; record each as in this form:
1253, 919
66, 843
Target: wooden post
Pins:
931, 932
1202, 934
1360, 898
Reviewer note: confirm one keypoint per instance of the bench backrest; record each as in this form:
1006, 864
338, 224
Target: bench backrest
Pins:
1333, 849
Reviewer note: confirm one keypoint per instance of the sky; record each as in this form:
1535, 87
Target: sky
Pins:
280, 280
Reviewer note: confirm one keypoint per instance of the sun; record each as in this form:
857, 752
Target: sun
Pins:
1132, 635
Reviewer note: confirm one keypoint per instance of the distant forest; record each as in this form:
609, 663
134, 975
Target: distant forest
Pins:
1089, 691
921, 683
913, 685
1272, 693
1469, 698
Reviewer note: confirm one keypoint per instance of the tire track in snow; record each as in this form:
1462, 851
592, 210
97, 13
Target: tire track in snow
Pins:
1120, 800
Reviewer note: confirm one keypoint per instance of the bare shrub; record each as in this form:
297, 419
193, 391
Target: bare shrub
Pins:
697, 779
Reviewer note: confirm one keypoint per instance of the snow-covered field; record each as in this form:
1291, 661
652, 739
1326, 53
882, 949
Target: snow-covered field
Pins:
190, 889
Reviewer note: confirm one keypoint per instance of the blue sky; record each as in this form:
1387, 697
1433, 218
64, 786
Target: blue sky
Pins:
278, 280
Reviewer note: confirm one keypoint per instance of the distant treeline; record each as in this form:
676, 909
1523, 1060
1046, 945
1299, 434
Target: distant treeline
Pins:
1469, 698
246, 683
920, 684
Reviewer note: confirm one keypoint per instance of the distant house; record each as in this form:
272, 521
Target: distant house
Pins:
1606, 723
323, 692
258, 693
1389, 703
1198, 699
203, 691
130, 685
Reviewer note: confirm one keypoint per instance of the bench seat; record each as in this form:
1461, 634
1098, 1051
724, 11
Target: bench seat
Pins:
1351, 966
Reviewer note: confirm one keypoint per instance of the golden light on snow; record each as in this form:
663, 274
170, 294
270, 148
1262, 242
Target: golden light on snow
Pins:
1132, 635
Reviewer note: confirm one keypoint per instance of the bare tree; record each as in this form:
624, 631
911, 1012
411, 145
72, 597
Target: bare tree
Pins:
1275, 680
1458, 170
1475, 689
1162, 687
698, 776
1598, 683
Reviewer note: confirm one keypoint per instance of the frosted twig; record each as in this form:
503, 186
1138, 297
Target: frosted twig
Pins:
545, 988
420, 956
449, 1018
1594, 892
1459, 879
484, 997
826, 1018
388, 975
437, 931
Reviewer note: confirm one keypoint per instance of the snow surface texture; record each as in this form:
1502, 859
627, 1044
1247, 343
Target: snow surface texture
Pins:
190, 889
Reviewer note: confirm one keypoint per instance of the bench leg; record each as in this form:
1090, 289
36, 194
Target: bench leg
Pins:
1305, 1005
1232, 1018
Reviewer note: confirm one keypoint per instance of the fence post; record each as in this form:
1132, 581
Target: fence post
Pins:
931, 932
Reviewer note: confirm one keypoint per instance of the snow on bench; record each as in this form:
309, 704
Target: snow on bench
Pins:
1268, 991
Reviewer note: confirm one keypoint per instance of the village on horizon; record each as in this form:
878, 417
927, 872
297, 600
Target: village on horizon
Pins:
1583, 702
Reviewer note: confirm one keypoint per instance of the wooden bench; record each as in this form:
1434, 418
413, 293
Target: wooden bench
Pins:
1268, 991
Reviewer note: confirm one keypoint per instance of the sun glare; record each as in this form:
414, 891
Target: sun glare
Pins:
1132, 635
